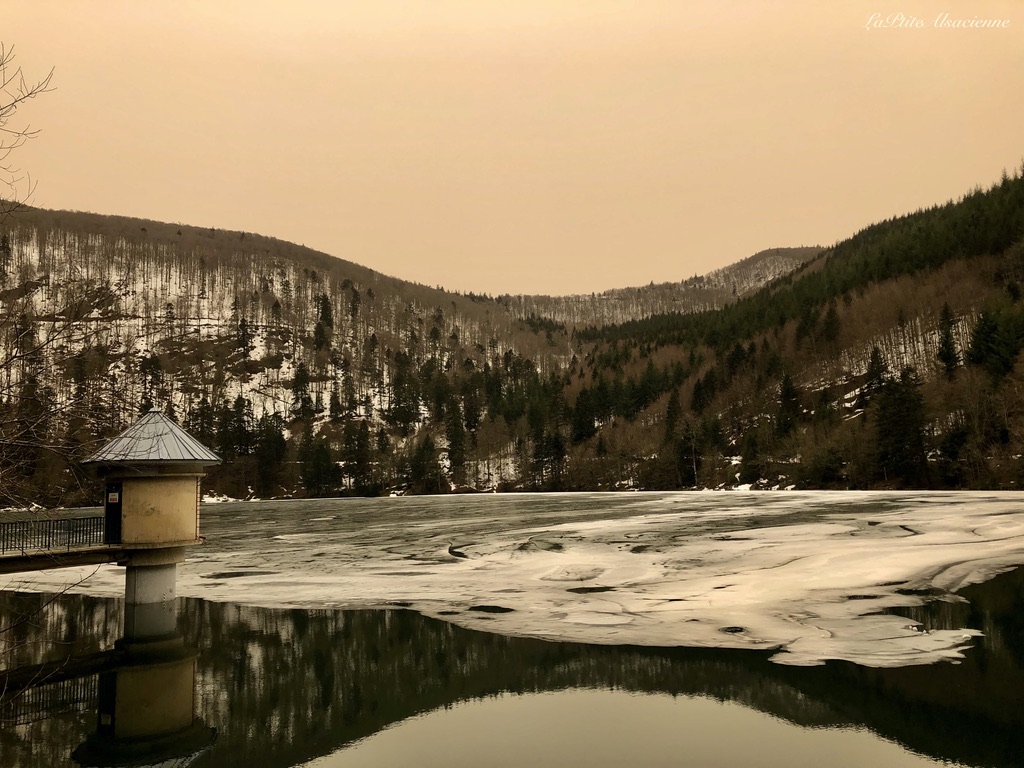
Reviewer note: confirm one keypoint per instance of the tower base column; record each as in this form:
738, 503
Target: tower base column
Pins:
151, 607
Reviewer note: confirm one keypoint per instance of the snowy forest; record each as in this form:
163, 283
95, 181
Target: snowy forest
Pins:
889, 359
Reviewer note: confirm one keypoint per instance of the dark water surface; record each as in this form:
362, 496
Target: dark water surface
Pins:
811, 575
381, 688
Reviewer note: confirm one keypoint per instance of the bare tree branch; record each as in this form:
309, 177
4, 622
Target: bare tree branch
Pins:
15, 91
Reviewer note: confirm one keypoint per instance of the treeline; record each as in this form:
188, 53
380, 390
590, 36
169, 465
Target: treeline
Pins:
695, 294
422, 440
104, 317
889, 361
985, 222
773, 391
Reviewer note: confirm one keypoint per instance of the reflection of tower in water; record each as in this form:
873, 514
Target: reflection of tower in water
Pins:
146, 713
142, 691
146, 684
146, 699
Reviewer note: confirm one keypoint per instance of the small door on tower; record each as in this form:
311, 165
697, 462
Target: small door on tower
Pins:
112, 513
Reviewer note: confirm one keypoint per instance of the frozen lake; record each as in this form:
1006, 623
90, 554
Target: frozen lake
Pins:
846, 629
332, 689
812, 576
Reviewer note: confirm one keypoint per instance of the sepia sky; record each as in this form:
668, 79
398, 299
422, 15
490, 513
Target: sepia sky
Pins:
541, 146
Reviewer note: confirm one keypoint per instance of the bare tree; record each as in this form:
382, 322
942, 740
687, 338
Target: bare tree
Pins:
16, 187
26, 403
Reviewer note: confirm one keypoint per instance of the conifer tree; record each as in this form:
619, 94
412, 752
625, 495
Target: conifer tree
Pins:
241, 425
383, 442
750, 454
876, 375
672, 414
325, 311
830, 325
423, 470
995, 343
270, 451
200, 421
302, 402
899, 430
335, 410
947, 348
583, 417
319, 472
361, 470
689, 454
789, 407
245, 339
455, 432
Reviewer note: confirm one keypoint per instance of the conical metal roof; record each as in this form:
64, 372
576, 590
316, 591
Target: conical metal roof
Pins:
154, 439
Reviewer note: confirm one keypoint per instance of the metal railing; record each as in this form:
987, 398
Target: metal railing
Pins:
48, 699
50, 535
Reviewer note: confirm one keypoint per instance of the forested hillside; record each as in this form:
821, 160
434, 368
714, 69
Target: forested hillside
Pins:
309, 374
888, 359
282, 359
695, 294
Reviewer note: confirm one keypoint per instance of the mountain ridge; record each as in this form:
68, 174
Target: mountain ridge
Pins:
320, 376
732, 280
695, 294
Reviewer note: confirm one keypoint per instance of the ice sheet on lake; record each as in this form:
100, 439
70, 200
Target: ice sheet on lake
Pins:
807, 574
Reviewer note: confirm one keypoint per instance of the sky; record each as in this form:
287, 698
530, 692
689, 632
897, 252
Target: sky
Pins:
555, 146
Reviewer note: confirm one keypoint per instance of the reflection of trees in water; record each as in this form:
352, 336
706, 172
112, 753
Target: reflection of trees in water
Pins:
285, 686
35, 629
322, 679
309, 682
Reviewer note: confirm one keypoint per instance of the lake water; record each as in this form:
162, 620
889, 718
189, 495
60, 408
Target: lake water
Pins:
639, 629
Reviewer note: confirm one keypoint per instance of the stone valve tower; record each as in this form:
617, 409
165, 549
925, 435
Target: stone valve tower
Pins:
152, 472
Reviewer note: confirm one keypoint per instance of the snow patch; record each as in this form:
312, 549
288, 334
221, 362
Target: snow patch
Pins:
811, 576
